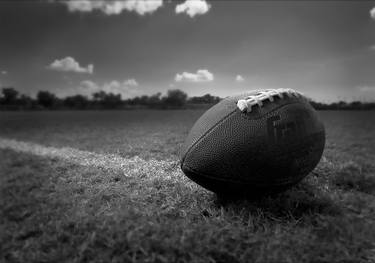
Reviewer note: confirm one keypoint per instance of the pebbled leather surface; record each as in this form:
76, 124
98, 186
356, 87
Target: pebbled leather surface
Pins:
272, 147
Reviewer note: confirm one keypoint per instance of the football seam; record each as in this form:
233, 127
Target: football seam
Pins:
278, 183
204, 135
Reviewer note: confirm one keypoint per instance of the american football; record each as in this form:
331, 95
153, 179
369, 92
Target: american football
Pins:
260, 142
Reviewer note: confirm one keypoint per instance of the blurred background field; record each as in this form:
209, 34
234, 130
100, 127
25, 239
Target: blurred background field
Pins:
58, 210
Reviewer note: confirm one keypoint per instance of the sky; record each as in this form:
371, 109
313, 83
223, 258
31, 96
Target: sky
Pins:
324, 49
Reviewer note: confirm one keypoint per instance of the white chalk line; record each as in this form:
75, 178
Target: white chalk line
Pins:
110, 162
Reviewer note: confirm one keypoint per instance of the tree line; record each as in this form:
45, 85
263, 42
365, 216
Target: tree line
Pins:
343, 105
11, 99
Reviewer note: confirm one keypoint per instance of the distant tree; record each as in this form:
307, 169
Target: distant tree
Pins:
99, 96
342, 105
25, 101
175, 98
107, 100
133, 101
355, 105
143, 100
318, 105
76, 102
205, 99
46, 99
154, 100
9, 96
368, 106
112, 100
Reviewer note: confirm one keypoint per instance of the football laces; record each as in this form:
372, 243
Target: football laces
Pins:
246, 104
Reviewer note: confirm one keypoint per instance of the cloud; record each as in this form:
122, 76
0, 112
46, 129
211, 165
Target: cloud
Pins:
202, 75
126, 88
131, 83
80, 5
366, 88
193, 7
372, 12
110, 7
89, 85
4, 72
69, 64
239, 78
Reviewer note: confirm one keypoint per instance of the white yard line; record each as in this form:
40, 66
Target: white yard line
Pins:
110, 162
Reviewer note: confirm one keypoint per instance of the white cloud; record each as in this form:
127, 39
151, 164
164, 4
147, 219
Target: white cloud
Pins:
80, 5
239, 78
131, 83
126, 88
4, 72
372, 12
366, 88
70, 64
193, 7
202, 75
110, 7
90, 85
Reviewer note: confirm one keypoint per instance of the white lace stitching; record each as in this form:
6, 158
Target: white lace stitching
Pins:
247, 103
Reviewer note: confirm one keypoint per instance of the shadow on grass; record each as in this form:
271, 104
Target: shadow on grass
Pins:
353, 176
301, 201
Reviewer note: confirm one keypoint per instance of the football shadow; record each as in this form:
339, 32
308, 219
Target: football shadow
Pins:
300, 201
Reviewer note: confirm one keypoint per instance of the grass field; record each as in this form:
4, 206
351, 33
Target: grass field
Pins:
106, 187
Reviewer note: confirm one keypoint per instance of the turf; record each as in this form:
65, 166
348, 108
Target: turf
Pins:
145, 133
53, 207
